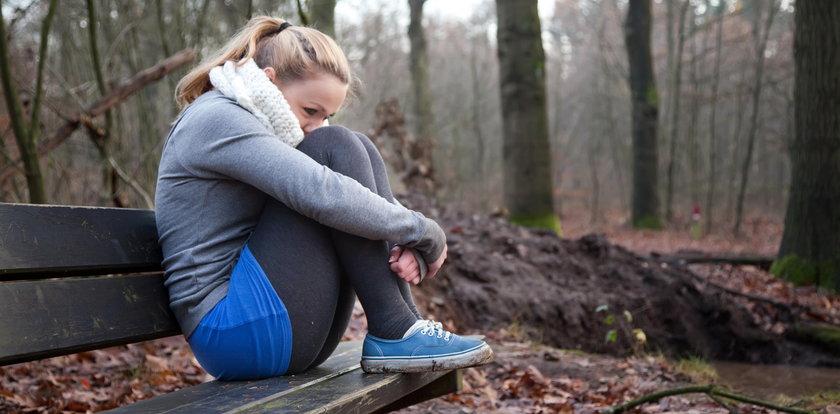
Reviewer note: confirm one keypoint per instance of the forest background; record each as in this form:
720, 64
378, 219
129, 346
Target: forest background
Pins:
704, 156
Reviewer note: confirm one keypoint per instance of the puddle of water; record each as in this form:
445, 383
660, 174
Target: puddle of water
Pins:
768, 381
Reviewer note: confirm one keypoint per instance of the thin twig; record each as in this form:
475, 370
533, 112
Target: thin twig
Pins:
133, 184
709, 390
723, 404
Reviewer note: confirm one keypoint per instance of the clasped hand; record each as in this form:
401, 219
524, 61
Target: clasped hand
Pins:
404, 264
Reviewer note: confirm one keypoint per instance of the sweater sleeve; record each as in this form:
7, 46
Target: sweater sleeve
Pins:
225, 141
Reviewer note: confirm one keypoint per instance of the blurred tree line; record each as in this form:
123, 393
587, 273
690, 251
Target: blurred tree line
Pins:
702, 144
718, 82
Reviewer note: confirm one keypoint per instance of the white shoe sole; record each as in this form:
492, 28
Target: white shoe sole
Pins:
479, 356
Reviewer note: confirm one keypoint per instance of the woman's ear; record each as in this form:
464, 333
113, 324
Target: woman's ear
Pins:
269, 71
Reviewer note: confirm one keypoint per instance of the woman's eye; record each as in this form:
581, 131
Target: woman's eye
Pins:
310, 111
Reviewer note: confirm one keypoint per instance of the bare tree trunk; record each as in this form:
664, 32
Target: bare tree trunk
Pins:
676, 82
480, 139
322, 16
102, 139
760, 46
694, 161
527, 157
592, 149
710, 194
810, 249
615, 144
645, 111
27, 135
736, 140
199, 24
423, 120
304, 18
164, 38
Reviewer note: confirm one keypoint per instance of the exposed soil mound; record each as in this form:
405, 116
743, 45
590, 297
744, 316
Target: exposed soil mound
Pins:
504, 276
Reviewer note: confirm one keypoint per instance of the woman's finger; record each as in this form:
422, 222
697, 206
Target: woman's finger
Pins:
396, 252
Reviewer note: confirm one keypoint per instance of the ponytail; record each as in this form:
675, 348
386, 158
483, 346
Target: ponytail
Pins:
294, 53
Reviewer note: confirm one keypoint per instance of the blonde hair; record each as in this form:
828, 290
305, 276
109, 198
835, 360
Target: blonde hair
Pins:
294, 53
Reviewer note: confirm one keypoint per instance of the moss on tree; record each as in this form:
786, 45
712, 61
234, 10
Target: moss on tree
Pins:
800, 271
648, 222
820, 334
652, 96
547, 221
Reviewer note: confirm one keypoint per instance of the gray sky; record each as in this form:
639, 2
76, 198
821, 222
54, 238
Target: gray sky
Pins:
455, 9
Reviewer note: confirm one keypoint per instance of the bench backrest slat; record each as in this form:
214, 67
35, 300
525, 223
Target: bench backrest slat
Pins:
57, 317
53, 241
78, 278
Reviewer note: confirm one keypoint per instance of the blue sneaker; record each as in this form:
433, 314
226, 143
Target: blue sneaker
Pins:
425, 347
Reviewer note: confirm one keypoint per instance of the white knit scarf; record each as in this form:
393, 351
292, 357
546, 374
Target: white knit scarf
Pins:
251, 88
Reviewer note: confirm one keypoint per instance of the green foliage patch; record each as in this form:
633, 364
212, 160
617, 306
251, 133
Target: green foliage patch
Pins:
697, 369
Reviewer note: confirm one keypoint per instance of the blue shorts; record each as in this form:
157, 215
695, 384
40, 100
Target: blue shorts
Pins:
247, 335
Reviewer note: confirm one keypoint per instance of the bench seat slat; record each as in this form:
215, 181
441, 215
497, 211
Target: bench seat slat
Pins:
351, 392
338, 385
222, 396
57, 317
52, 241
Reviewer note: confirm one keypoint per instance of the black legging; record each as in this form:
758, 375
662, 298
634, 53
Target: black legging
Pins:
315, 269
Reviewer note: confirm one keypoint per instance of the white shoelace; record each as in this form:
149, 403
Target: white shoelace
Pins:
433, 328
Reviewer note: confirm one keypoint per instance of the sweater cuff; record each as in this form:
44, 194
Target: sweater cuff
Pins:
421, 263
432, 242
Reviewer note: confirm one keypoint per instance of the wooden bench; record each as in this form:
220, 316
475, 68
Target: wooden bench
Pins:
75, 279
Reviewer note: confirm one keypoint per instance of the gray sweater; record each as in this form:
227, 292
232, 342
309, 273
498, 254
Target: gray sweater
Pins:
218, 166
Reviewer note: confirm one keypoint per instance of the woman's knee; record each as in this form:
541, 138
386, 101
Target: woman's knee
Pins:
366, 141
340, 150
329, 144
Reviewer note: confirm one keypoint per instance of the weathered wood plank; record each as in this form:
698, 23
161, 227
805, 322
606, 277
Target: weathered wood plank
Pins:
48, 318
225, 396
338, 385
451, 382
51, 241
351, 392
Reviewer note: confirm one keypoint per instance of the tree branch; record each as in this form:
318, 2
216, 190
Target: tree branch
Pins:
27, 135
304, 19
119, 94
39, 80
132, 183
691, 257
708, 390
10, 92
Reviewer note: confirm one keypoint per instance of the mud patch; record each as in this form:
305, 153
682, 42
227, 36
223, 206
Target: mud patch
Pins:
501, 276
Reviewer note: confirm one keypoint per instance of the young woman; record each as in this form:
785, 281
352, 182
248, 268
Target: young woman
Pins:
270, 221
